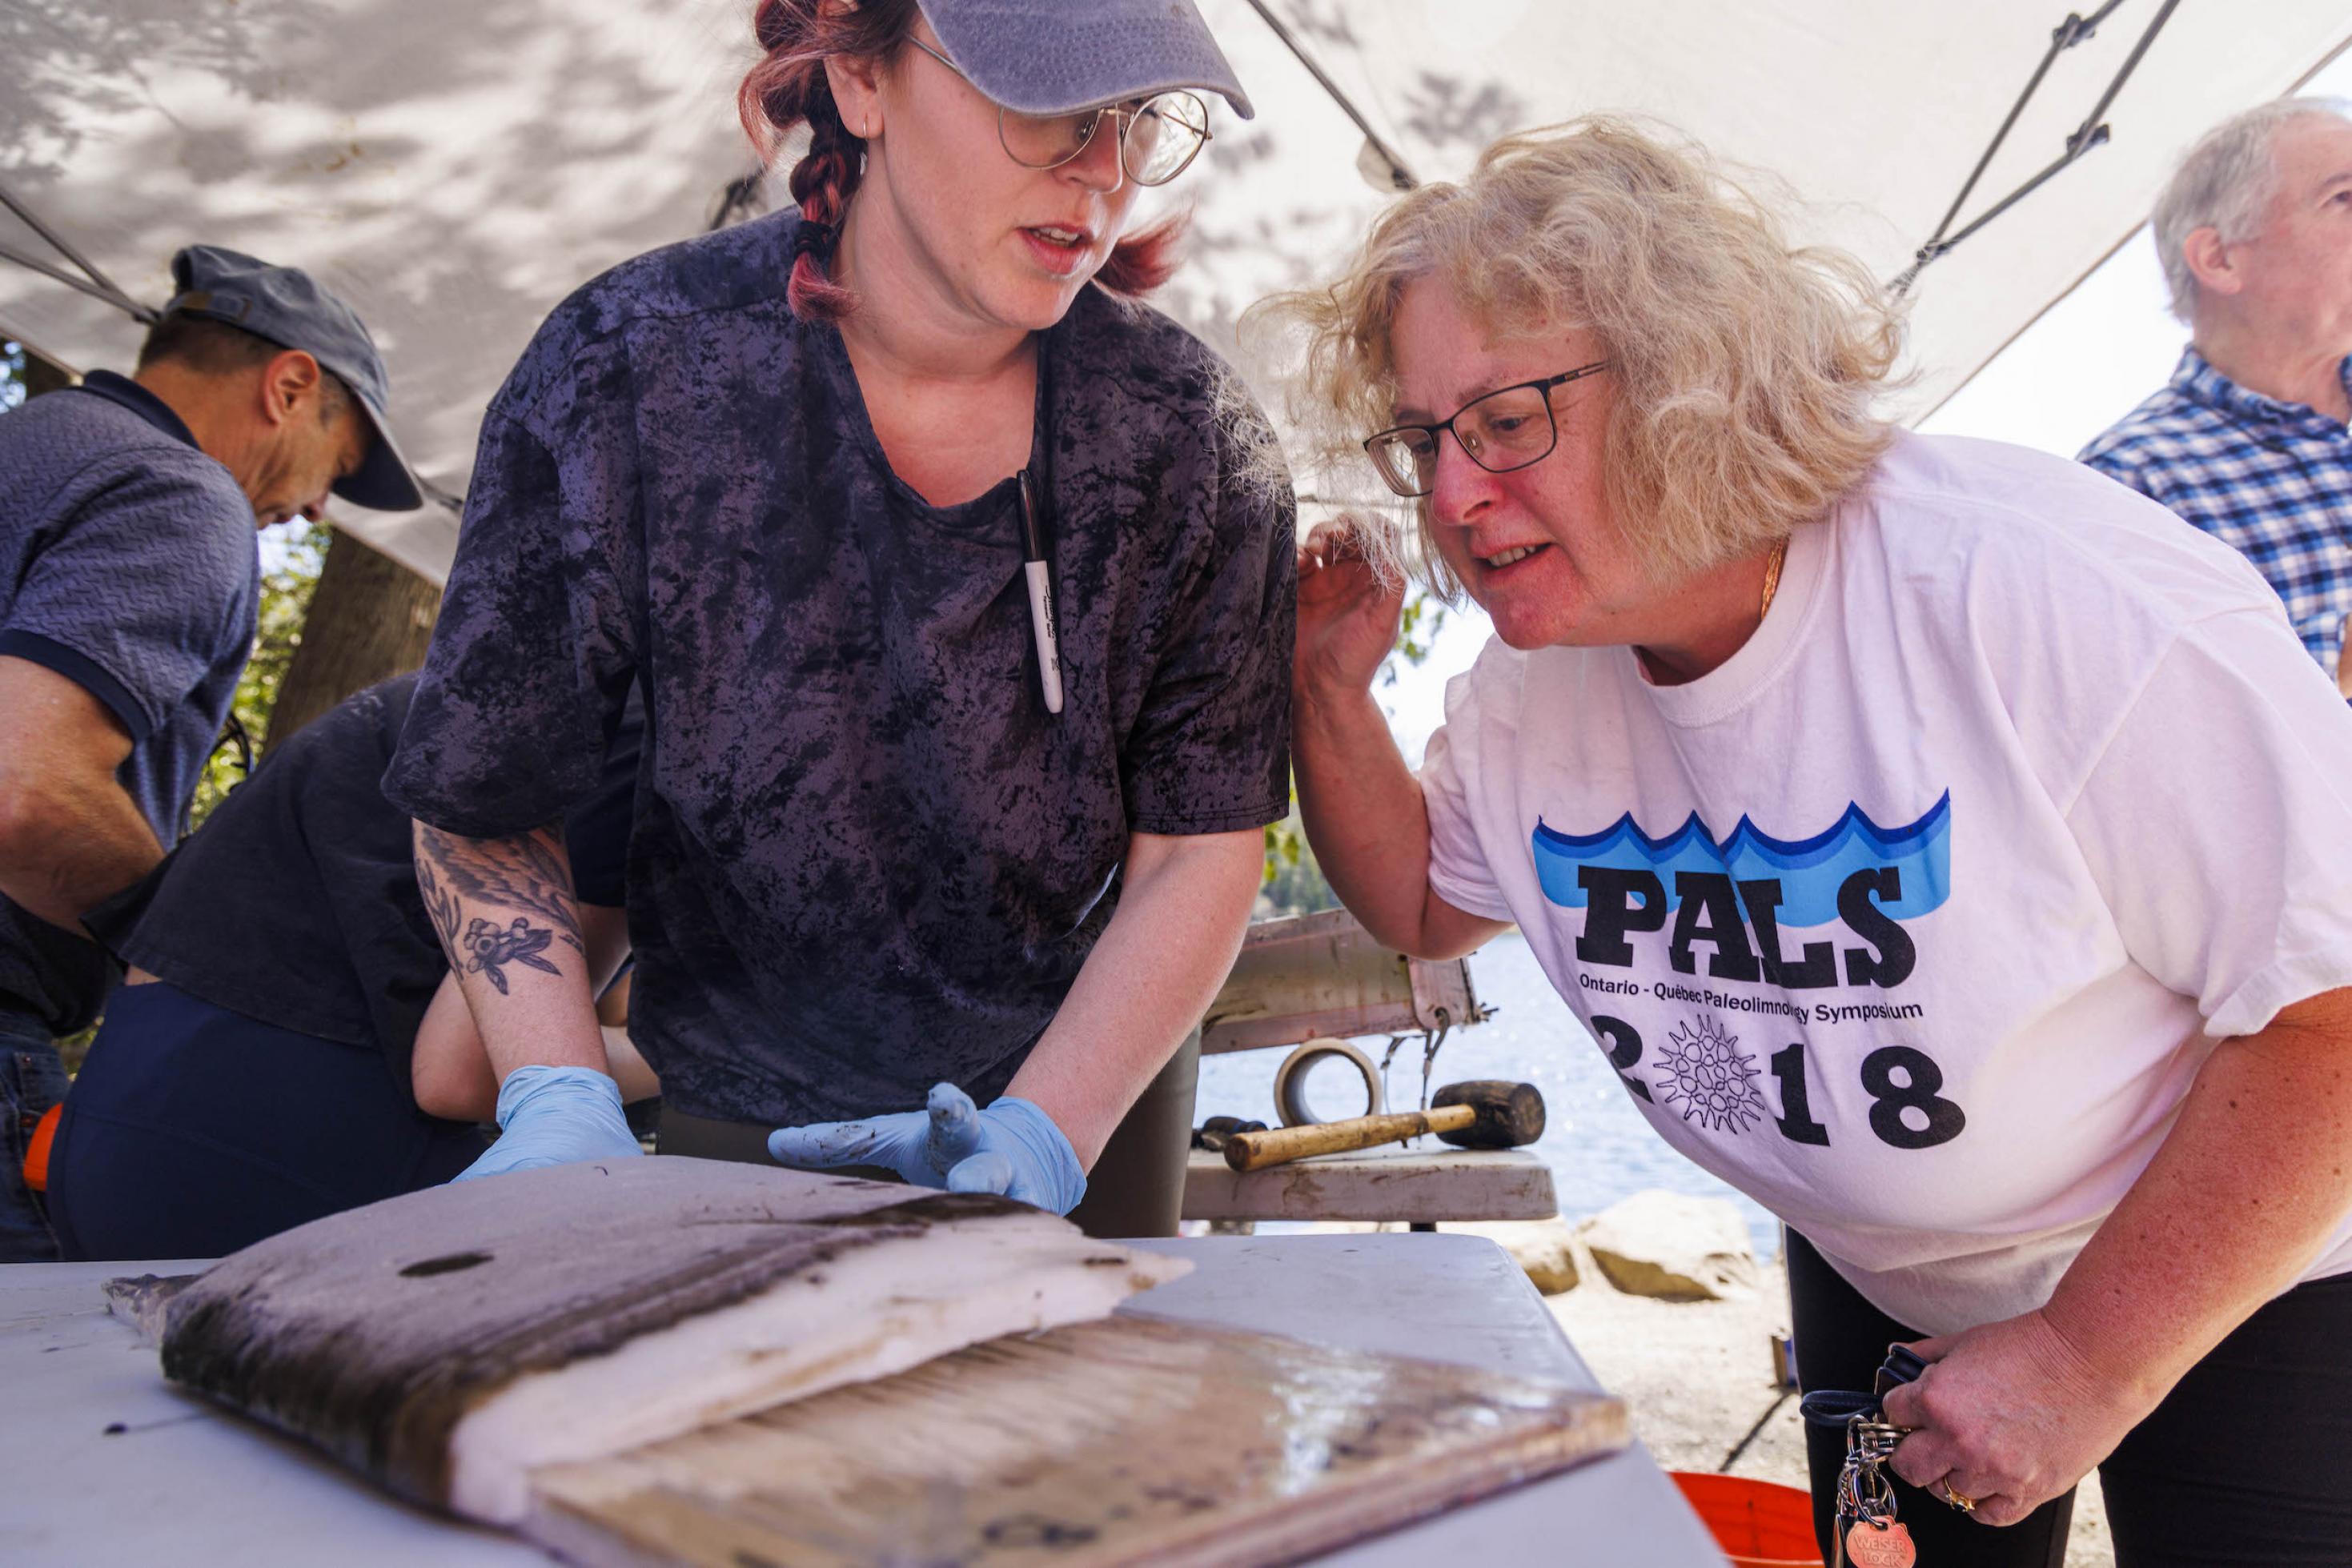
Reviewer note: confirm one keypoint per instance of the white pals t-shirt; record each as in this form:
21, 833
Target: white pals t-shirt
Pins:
1916, 919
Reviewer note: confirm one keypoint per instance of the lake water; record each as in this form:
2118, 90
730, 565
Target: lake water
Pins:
1599, 1148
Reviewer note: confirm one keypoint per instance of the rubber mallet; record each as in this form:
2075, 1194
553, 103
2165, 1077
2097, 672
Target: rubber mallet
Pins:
1487, 1114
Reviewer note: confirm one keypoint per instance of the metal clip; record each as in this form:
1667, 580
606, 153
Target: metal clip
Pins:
1867, 1534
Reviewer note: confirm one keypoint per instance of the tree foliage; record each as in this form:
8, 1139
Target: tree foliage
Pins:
285, 592
1424, 617
1293, 882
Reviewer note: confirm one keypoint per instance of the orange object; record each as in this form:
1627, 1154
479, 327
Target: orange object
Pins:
36, 1153
1758, 1524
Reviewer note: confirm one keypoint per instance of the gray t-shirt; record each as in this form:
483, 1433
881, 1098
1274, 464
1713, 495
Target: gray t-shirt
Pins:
128, 564
866, 858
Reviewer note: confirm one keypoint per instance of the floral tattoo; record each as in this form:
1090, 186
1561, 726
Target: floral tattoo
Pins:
489, 949
527, 873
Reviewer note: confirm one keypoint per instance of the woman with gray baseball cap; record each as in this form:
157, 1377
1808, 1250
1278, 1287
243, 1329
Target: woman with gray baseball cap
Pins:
960, 601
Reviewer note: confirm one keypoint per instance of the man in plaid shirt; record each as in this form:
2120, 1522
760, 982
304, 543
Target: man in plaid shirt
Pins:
2248, 441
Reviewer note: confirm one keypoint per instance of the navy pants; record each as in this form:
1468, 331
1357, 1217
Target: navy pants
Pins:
32, 1080
2246, 1464
193, 1130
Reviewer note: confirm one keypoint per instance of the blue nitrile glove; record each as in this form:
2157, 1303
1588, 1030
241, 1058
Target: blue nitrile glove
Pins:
556, 1116
1012, 1147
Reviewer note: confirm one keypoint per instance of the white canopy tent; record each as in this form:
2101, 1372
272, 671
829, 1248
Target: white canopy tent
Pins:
455, 167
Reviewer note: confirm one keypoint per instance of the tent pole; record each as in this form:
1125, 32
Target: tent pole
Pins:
34, 263
2091, 134
105, 290
1401, 177
2131, 63
2064, 37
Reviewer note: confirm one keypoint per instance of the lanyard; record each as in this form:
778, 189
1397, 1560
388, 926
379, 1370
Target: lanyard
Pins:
1037, 540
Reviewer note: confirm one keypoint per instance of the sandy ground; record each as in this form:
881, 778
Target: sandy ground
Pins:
1697, 1377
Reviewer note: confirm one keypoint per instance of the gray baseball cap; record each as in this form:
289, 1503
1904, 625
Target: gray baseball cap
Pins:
1055, 56
285, 306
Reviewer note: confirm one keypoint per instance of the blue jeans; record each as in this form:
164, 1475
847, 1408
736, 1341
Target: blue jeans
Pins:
32, 1079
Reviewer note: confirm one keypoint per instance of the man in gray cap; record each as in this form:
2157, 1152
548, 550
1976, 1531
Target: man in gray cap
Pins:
129, 576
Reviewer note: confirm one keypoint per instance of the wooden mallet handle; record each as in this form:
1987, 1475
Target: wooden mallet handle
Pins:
1255, 1151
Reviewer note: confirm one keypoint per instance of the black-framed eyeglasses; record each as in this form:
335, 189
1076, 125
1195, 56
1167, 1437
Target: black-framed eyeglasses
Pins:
1159, 137
1503, 429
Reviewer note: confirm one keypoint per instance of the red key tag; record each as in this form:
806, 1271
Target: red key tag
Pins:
1870, 1546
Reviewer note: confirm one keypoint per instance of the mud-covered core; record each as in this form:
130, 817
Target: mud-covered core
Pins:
372, 1333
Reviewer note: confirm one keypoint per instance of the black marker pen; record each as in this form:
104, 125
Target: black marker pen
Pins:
1041, 597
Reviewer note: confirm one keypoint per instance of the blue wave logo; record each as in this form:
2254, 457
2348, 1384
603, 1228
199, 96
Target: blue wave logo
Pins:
1810, 871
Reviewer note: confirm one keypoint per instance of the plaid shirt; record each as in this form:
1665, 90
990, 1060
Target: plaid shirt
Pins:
2273, 480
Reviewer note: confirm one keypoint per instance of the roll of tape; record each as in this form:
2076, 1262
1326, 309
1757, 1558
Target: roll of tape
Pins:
1290, 1080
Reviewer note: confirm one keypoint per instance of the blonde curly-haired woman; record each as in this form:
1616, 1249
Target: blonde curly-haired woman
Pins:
1949, 848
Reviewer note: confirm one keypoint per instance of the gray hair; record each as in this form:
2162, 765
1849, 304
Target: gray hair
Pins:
2226, 184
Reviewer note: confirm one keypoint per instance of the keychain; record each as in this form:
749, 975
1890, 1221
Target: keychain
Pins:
1868, 1533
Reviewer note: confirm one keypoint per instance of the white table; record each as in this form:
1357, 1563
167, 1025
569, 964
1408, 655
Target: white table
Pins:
101, 1462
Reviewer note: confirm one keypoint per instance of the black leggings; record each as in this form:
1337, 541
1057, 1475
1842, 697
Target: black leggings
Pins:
2247, 1462
193, 1131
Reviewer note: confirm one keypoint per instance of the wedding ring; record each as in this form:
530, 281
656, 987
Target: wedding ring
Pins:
1956, 1498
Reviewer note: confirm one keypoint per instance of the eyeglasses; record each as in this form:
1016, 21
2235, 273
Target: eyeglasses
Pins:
1500, 432
1158, 136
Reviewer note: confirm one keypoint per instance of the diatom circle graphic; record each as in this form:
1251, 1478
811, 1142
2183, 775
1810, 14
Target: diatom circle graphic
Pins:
1708, 1078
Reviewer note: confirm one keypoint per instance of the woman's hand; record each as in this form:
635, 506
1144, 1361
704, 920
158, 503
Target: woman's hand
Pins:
556, 1116
1347, 610
1012, 1147
2010, 1415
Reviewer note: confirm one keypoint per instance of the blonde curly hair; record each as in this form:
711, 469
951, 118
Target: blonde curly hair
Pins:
1746, 368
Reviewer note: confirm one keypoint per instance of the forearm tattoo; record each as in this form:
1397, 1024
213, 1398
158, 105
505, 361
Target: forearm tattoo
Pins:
527, 873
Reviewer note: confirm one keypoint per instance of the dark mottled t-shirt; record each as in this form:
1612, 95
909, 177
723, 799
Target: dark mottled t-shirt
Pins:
296, 903
128, 564
866, 858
